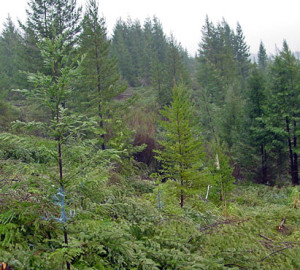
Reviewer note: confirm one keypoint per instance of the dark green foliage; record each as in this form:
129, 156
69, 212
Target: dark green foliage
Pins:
262, 57
127, 47
26, 149
8, 113
79, 185
100, 82
147, 57
282, 111
10, 59
223, 66
46, 19
256, 138
124, 232
242, 53
269, 145
53, 91
231, 116
218, 64
175, 72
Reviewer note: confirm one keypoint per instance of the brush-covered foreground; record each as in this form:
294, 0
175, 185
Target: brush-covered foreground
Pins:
114, 222
118, 218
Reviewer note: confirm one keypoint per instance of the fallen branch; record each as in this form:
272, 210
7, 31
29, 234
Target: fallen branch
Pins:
268, 239
218, 224
234, 264
276, 251
10, 179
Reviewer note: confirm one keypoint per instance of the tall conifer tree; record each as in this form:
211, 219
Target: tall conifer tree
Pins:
283, 106
257, 138
45, 16
101, 81
48, 19
242, 53
262, 57
52, 90
10, 58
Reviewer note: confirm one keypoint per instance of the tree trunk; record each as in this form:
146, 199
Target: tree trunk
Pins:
295, 156
181, 194
263, 164
60, 164
291, 155
99, 94
67, 243
101, 125
296, 170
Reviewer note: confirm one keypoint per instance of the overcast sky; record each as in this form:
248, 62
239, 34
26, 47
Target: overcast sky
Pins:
270, 21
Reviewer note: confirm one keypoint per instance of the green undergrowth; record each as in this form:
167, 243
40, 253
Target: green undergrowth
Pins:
117, 219
146, 96
251, 239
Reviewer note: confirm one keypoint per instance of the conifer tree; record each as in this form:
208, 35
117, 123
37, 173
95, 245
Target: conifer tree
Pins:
159, 40
10, 58
52, 90
222, 71
283, 105
101, 81
144, 51
242, 53
48, 19
231, 116
121, 50
217, 65
136, 44
173, 70
177, 72
148, 52
257, 134
160, 71
61, 15
158, 79
262, 57
182, 154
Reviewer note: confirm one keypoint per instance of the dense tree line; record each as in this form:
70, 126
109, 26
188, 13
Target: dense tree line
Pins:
83, 117
251, 107
236, 101
148, 57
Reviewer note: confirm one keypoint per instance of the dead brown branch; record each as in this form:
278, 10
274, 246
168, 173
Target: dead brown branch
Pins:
277, 246
209, 228
265, 237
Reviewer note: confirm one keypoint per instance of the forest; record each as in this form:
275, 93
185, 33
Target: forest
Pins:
125, 152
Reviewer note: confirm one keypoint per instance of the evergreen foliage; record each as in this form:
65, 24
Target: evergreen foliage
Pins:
223, 66
257, 137
46, 19
283, 106
147, 57
100, 81
182, 154
79, 185
10, 59
262, 57
223, 179
53, 90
